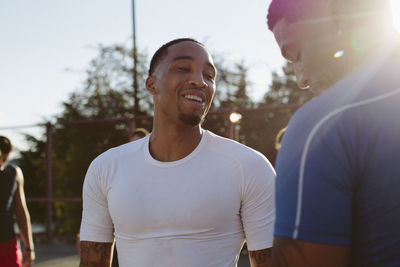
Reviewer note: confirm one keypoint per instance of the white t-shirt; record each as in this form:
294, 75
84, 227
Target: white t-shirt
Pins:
196, 211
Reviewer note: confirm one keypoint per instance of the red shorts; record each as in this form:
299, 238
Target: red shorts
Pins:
10, 253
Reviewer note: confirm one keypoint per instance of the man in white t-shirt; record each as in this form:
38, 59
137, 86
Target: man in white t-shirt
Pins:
182, 196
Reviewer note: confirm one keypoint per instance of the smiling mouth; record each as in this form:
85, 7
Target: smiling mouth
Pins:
194, 98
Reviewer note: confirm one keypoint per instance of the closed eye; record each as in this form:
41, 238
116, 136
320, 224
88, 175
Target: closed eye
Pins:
210, 77
184, 69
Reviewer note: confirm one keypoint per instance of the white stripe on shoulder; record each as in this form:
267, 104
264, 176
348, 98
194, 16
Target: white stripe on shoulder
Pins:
309, 140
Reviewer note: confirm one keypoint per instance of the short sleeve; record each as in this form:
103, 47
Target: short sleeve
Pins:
314, 187
96, 222
258, 205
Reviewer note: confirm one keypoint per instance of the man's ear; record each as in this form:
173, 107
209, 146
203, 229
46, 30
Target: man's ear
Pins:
150, 85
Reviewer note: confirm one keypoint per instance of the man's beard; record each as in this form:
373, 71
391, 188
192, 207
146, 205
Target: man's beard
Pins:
191, 119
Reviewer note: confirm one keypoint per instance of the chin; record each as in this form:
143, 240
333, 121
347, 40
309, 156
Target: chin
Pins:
191, 119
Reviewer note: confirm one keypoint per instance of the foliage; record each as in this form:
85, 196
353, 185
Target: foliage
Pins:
262, 121
107, 95
283, 89
279, 103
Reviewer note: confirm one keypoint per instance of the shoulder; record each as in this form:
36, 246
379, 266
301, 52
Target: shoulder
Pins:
333, 123
103, 167
231, 148
15, 171
115, 154
355, 101
243, 155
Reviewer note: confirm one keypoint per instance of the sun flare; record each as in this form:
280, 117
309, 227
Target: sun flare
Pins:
396, 13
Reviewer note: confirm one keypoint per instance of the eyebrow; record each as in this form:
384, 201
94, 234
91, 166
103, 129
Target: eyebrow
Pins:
191, 58
182, 57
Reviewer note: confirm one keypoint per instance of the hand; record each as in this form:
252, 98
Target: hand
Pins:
28, 258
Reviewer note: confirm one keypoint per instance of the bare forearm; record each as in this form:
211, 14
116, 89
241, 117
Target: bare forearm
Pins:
95, 254
25, 228
292, 252
22, 213
260, 258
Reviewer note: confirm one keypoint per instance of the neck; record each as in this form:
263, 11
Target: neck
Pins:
170, 142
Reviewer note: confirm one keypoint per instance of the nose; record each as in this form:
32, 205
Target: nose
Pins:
197, 80
302, 78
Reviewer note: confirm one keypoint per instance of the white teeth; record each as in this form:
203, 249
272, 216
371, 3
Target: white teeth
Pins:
194, 97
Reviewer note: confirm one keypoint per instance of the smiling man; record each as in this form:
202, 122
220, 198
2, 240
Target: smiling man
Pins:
337, 189
181, 196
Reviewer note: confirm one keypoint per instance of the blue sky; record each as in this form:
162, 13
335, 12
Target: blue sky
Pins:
46, 45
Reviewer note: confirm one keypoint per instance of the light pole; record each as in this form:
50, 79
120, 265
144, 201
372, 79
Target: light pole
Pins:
135, 82
234, 119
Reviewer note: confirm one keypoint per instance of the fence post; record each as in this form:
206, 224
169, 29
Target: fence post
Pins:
49, 181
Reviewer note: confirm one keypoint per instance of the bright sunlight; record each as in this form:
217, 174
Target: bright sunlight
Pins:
396, 13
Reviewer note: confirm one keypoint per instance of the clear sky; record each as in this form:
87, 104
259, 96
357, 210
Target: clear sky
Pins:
46, 45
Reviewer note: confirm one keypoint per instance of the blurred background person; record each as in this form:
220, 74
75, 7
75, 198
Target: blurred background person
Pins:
12, 203
138, 134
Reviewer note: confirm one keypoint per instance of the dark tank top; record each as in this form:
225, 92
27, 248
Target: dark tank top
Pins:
8, 186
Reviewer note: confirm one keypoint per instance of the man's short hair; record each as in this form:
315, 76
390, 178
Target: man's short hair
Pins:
294, 10
5, 145
161, 53
291, 10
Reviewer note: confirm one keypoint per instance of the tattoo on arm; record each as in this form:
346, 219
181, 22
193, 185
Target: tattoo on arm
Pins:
260, 258
95, 254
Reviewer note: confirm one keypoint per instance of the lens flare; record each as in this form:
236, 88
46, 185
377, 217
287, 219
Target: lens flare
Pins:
235, 117
396, 13
338, 54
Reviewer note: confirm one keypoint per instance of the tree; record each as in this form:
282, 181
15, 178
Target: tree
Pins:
107, 95
110, 73
231, 93
263, 126
284, 89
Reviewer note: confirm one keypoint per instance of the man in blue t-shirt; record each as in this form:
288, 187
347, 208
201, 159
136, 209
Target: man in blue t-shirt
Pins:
338, 183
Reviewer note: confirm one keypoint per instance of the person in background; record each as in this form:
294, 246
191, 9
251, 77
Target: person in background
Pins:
182, 196
278, 138
139, 133
337, 186
12, 203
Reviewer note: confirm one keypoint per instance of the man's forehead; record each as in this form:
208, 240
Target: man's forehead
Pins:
188, 50
307, 13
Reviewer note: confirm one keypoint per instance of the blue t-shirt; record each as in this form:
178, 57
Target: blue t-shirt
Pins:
338, 170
